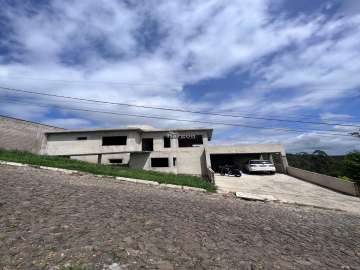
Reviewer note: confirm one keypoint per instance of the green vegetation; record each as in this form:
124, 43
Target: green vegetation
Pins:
352, 166
345, 167
65, 163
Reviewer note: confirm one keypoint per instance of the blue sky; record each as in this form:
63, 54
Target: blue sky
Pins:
279, 59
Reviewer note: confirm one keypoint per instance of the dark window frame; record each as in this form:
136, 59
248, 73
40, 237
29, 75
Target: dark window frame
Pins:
111, 140
116, 160
190, 142
167, 142
159, 162
81, 138
148, 146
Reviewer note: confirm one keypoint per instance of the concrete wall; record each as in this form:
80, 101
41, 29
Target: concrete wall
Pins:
105, 159
190, 160
143, 161
325, 181
90, 159
67, 144
248, 149
23, 135
159, 139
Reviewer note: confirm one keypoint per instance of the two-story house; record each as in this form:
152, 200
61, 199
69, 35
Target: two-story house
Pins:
180, 151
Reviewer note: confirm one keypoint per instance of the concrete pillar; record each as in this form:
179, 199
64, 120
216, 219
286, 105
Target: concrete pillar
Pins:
284, 163
174, 142
207, 158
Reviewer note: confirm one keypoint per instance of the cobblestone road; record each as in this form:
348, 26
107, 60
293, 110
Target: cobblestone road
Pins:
49, 219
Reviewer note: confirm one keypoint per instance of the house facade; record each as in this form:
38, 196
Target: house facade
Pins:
179, 151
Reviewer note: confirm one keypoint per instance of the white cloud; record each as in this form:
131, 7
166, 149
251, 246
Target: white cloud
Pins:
69, 123
93, 42
335, 117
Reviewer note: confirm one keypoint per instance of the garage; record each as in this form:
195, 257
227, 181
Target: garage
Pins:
240, 155
239, 160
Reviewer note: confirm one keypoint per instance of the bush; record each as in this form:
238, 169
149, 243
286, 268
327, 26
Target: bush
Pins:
352, 166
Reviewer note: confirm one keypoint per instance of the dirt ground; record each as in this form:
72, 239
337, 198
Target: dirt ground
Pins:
49, 219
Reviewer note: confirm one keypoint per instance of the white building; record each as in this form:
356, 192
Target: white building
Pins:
179, 151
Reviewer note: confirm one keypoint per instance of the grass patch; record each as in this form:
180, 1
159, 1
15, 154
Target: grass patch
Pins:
65, 163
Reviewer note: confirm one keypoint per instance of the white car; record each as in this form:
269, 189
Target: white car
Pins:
260, 166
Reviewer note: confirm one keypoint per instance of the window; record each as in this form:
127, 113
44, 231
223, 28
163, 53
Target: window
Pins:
190, 141
147, 144
114, 140
81, 138
167, 142
159, 162
174, 161
116, 161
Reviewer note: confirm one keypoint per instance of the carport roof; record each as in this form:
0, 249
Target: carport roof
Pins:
247, 149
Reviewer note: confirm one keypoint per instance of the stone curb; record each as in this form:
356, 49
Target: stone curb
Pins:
255, 197
171, 186
60, 170
13, 163
194, 189
132, 180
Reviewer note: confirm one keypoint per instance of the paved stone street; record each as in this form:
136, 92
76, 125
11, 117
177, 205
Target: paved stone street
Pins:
49, 219
290, 189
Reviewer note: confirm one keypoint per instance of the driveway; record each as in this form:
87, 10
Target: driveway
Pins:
288, 189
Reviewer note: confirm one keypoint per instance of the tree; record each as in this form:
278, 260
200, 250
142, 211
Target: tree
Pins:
352, 166
320, 153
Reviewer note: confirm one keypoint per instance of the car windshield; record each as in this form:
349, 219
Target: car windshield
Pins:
260, 162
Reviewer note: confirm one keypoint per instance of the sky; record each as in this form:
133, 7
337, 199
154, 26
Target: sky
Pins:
282, 59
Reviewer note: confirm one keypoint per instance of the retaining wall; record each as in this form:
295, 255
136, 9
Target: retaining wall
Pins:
17, 134
330, 182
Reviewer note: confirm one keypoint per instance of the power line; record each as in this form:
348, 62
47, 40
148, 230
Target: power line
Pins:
185, 120
178, 110
151, 84
18, 100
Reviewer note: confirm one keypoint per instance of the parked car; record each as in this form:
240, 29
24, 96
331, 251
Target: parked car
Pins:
230, 170
260, 166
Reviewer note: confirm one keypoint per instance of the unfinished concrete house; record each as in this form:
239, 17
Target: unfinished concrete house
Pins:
179, 151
